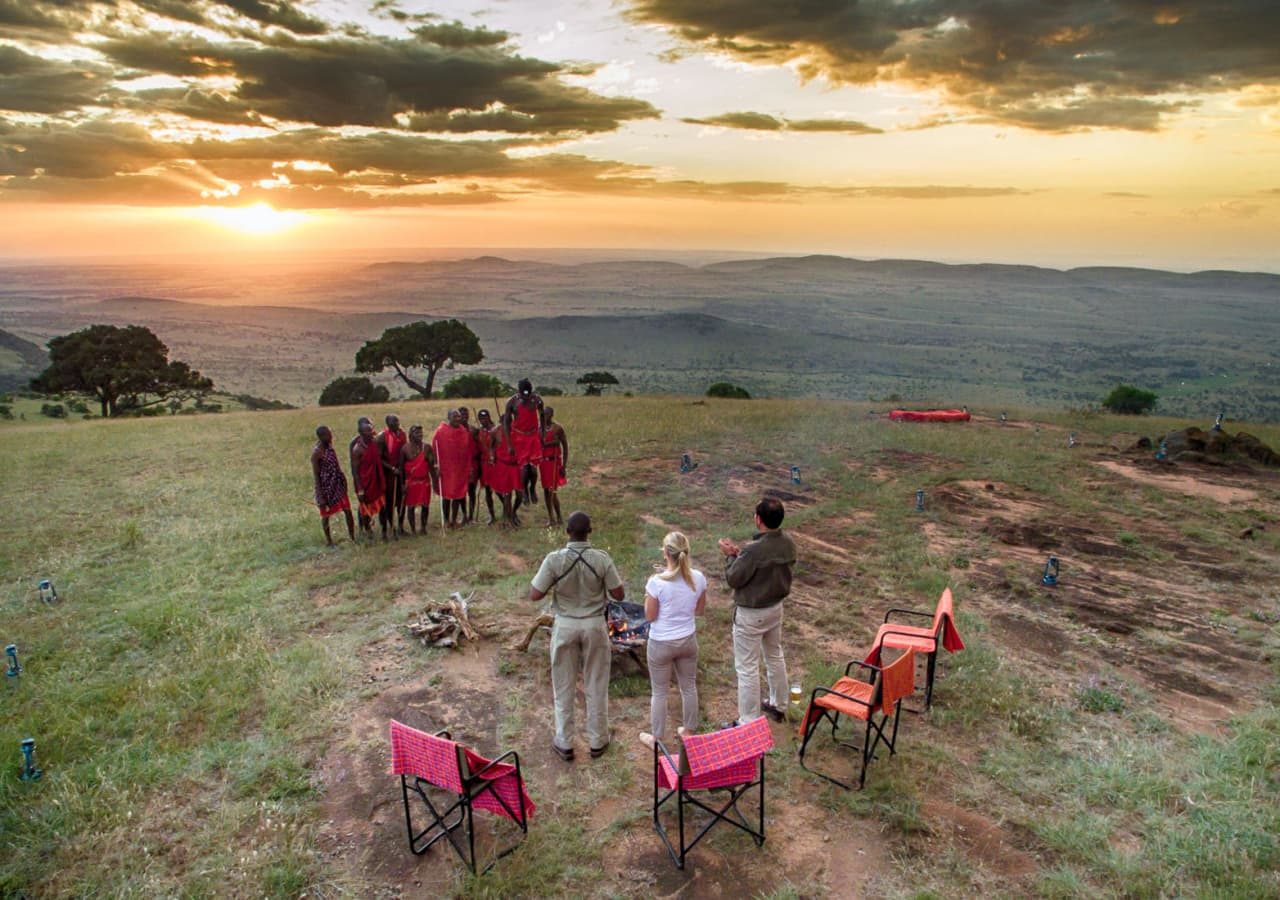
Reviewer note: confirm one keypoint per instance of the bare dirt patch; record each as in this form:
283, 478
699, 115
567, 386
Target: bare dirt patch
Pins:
1217, 488
981, 837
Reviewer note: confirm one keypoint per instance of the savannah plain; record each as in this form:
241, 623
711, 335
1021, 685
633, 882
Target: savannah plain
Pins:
210, 695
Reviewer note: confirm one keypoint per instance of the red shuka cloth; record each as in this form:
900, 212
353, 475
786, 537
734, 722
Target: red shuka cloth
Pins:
505, 476
417, 480
484, 439
453, 456
370, 478
551, 468
525, 435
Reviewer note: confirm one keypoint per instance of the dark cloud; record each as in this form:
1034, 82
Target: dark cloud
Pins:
754, 121
455, 34
1051, 66
32, 84
371, 81
1127, 195
51, 20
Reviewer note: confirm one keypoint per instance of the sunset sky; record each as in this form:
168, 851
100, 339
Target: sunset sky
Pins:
1063, 134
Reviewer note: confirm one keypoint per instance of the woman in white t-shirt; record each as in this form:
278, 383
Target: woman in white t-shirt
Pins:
671, 600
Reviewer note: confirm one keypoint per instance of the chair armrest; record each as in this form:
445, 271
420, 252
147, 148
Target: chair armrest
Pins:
813, 697
493, 762
908, 612
908, 634
661, 748
865, 665
442, 733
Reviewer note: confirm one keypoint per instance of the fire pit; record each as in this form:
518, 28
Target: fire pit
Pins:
628, 635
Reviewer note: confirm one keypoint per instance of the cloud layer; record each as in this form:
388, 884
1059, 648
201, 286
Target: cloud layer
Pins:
1049, 66
182, 102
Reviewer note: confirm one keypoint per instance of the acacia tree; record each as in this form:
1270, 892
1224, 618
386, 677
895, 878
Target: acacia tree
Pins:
124, 368
596, 382
421, 345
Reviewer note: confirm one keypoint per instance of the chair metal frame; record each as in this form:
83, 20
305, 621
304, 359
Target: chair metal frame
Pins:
931, 656
684, 798
868, 745
473, 785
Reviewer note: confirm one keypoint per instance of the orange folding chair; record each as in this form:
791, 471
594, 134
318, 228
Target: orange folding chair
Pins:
861, 700
462, 781
731, 759
942, 631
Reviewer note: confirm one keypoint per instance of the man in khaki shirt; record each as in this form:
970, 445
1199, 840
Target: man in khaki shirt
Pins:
581, 579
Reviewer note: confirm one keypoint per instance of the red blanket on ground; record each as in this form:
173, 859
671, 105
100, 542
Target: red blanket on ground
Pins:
371, 479
929, 415
417, 480
453, 456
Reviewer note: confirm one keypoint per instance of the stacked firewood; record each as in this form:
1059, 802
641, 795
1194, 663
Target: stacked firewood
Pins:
444, 625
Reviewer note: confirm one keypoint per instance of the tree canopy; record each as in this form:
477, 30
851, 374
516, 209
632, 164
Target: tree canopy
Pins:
126, 369
1128, 400
596, 382
725, 389
476, 384
421, 345
352, 389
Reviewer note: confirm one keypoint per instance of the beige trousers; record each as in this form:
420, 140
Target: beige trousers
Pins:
580, 645
755, 630
681, 657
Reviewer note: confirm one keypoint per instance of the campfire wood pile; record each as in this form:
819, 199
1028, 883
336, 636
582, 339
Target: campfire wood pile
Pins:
443, 625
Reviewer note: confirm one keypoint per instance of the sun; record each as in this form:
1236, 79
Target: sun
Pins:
258, 219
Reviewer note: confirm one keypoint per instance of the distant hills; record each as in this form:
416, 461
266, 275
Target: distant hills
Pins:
20, 361
923, 332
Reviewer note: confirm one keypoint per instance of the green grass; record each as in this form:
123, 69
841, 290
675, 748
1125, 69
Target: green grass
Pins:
208, 653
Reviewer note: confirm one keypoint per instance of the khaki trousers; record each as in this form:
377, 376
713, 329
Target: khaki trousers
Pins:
581, 645
663, 657
755, 630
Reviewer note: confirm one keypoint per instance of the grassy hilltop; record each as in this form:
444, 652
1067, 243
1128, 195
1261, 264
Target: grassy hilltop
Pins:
210, 696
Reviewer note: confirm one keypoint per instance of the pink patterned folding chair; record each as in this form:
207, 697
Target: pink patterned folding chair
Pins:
463, 781
732, 759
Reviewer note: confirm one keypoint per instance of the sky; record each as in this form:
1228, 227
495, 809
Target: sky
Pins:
1098, 132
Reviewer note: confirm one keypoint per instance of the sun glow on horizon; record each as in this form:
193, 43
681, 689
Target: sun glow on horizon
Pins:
259, 219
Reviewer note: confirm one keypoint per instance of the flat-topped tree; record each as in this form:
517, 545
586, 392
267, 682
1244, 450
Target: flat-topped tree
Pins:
126, 369
421, 345
596, 382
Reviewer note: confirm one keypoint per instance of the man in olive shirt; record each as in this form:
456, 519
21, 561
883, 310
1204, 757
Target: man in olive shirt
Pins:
760, 575
581, 579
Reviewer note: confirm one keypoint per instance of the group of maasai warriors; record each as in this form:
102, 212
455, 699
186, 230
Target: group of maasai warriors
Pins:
396, 472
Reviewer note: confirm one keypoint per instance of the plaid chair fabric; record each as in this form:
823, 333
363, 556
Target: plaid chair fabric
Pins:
731, 758
471, 780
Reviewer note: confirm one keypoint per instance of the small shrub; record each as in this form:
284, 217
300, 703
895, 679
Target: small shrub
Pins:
6, 411
1127, 400
350, 390
53, 410
549, 391
1096, 699
731, 391
476, 384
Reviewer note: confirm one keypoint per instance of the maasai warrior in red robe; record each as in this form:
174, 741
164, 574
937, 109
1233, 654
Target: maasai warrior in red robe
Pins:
370, 479
419, 464
331, 484
523, 419
555, 458
485, 441
506, 475
452, 444
393, 440
473, 477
